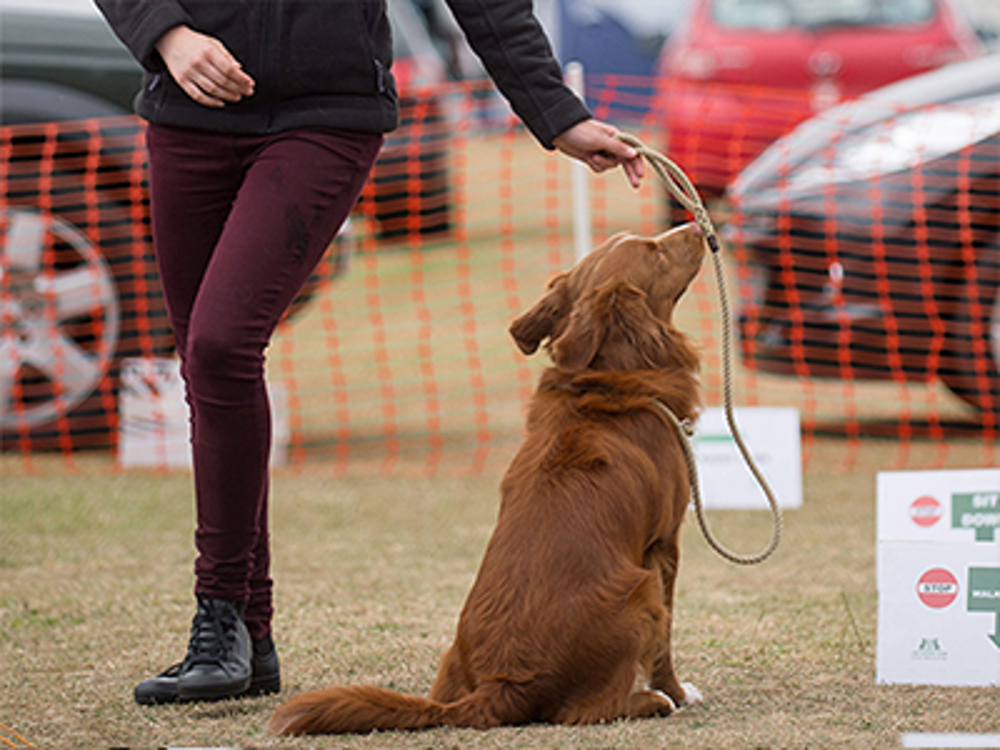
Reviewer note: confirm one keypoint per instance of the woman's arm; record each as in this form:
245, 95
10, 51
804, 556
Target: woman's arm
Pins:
516, 52
141, 23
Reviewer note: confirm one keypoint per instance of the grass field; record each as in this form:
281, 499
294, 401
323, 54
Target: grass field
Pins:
371, 573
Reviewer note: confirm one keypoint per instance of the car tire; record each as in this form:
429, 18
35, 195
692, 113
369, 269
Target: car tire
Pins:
971, 358
404, 206
79, 293
411, 183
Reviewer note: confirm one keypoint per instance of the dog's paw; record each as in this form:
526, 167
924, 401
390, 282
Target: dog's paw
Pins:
692, 695
667, 698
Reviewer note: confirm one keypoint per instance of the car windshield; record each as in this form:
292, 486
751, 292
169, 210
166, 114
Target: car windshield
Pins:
813, 14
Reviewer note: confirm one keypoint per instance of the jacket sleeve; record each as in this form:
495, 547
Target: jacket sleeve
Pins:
513, 47
141, 23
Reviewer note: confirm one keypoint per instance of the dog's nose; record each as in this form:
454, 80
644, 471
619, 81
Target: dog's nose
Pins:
689, 228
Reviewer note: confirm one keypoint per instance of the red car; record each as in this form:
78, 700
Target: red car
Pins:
740, 73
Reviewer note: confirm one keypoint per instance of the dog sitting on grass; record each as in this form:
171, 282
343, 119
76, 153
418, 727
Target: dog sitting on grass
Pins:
572, 603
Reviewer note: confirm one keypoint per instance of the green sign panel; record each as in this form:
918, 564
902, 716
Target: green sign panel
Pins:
977, 510
984, 596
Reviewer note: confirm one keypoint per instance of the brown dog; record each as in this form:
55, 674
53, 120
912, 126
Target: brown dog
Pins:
573, 598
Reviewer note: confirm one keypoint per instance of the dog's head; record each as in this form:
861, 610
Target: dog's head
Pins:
614, 309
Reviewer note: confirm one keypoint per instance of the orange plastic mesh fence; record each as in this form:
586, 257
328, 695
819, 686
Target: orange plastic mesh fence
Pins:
395, 358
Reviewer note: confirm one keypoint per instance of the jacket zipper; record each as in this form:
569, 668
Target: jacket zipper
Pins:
380, 71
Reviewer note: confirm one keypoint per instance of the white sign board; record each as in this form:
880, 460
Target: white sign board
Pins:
153, 424
939, 577
774, 439
939, 506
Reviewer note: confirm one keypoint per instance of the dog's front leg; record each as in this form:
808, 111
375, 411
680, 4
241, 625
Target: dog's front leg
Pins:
663, 558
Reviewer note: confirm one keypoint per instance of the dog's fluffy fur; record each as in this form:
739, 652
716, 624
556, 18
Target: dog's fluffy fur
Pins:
572, 603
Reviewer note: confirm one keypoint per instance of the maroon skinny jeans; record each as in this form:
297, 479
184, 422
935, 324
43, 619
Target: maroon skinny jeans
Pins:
239, 224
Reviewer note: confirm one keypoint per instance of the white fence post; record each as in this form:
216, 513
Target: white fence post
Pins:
582, 234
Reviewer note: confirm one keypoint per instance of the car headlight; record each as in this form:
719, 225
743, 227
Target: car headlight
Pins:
902, 142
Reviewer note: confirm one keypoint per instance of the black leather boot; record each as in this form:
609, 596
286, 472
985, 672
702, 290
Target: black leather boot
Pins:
266, 679
217, 664
214, 666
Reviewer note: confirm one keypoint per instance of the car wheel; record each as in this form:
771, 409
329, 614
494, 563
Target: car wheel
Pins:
971, 362
61, 320
410, 184
406, 204
72, 309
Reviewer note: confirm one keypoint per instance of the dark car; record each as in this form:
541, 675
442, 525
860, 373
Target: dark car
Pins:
78, 286
872, 234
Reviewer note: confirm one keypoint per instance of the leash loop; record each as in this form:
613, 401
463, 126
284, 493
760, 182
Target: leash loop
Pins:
683, 190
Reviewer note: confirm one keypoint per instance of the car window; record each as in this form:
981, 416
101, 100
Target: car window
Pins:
781, 14
58, 7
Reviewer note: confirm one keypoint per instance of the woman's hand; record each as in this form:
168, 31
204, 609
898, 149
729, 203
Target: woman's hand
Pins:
203, 67
596, 144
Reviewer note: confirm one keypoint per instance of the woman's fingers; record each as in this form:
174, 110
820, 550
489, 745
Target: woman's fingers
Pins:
203, 67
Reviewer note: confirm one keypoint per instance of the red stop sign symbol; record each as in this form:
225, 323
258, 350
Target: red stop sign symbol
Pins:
925, 511
937, 588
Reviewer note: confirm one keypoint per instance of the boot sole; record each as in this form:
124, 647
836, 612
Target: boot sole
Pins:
165, 694
213, 692
264, 686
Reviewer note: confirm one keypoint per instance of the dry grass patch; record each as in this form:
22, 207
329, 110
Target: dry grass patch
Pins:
95, 595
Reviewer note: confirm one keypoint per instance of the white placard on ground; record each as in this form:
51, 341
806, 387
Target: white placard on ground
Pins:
153, 426
939, 506
939, 578
774, 439
949, 740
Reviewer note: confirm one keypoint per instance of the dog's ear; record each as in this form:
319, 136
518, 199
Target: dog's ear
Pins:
544, 319
576, 348
614, 323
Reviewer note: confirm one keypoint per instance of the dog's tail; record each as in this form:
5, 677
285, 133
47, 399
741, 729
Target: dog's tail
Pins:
360, 709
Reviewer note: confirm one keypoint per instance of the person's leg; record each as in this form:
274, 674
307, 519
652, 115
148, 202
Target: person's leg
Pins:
240, 223
194, 179
298, 190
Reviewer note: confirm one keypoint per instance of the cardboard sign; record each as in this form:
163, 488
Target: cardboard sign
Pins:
939, 578
153, 423
774, 439
939, 506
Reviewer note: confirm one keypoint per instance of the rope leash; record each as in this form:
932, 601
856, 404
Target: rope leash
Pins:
681, 188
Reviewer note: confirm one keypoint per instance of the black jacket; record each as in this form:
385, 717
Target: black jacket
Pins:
326, 63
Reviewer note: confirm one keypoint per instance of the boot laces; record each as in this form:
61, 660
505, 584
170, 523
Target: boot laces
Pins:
213, 634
